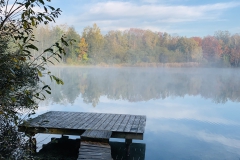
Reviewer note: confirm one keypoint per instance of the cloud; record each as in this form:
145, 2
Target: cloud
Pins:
148, 14
199, 134
121, 10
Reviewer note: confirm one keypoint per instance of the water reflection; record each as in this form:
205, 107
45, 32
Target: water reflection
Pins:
191, 113
139, 84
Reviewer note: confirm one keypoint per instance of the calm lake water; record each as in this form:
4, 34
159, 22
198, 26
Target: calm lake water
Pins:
191, 113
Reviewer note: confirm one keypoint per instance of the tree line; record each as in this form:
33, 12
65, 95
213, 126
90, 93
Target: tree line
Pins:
136, 46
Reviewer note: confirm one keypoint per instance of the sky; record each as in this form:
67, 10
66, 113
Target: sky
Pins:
177, 17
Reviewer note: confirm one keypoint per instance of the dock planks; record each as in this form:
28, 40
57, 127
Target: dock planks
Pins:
96, 136
95, 151
75, 123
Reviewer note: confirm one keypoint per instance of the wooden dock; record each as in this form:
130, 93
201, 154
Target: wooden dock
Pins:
76, 123
92, 127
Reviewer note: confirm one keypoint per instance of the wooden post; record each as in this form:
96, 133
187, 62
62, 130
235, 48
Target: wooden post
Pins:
128, 142
32, 143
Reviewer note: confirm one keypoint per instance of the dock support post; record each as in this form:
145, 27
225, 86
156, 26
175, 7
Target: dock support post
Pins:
32, 143
128, 142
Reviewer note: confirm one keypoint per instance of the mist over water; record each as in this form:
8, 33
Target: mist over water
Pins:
192, 113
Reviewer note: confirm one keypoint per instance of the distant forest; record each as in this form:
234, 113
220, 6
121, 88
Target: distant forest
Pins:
137, 47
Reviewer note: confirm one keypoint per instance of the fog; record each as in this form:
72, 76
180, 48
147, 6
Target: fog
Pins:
192, 113
143, 84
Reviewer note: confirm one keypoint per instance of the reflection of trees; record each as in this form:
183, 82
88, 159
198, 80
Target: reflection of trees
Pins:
139, 84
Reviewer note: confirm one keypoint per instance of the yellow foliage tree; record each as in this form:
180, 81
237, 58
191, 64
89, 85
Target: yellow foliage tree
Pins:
83, 50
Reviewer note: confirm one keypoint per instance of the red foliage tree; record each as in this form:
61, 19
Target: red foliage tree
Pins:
212, 49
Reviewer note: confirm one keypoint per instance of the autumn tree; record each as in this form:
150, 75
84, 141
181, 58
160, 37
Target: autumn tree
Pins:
212, 49
95, 41
235, 50
83, 48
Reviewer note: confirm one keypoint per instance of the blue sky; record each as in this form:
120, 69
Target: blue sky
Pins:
181, 17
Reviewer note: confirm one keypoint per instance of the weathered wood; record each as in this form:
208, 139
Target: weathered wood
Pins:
112, 122
129, 124
124, 123
118, 122
96, 136
55, 119
80, 117
106, 122
142, 124
95, 121
96, 151
76, 123
65, 122
86, 121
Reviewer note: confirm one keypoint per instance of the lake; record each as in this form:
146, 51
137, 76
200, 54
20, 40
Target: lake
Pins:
192, 113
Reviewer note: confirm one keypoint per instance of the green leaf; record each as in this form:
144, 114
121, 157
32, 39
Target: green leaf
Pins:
39, 73
64, 42
46, 17
42, 2
45, 9
44, 59
32, 47
46, 86
52, 8
13, 99
24, 40
51, 62
48, 91
58, 80
48, 50
27, 51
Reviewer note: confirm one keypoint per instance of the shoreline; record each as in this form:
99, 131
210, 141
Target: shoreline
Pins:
142, 65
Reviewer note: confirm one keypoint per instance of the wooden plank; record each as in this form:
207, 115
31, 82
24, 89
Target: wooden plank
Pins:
37, 120
119, 121
142, 124
86, 146
99, 123
56, 119
123, 124
79, 118
103, 134
62, 122
87, 123
75, 123
86, 133
106, 122
74, 118
129, 124
96, 136
94, 151
112, 122
67, 121
91, 126
135, 125
79, 125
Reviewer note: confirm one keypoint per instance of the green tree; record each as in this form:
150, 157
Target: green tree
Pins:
21, 87
72, 50
95, 41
